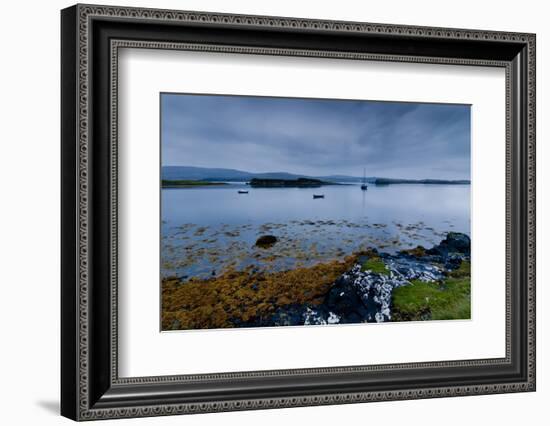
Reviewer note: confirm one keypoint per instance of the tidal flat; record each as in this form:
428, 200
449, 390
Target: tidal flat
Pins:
198, 251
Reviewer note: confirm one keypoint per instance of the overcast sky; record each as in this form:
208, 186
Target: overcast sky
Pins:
316, 137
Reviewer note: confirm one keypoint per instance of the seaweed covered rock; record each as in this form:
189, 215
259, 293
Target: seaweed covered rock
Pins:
458, 242
266, 241
418, 251
288, 315
452, 251
454, 242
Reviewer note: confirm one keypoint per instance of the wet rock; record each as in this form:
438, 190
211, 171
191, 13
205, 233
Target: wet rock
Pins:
314, 316
266, 241
288, 315
418, 251
454, 242
453, 261
344, 300
366, 296
319, 316
362, 296
376, 290
405, 268
457, 241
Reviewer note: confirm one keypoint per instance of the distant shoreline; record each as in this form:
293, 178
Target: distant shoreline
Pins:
289, 183
387, 181
220, 175
180, 183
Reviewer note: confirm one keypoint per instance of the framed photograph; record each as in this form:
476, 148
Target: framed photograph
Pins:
263, 212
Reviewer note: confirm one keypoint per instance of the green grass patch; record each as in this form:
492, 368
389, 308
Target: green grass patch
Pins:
376, 265
435, 301
186, 183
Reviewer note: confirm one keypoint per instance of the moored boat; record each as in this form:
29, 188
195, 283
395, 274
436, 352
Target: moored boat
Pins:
364, 184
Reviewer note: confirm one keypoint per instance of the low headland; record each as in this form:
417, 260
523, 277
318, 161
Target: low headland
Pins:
288, 183
185, 183
368, 286
388, 181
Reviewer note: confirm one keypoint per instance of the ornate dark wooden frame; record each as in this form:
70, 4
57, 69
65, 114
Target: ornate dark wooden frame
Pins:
91, 38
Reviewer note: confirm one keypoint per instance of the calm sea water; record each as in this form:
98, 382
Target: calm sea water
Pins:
206, 230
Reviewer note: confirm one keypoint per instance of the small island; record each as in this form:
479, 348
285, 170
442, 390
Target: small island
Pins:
288, 183
188, 183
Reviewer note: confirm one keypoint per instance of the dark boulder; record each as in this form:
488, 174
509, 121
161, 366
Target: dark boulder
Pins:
453, 261
418, 251
455, 242
292, 314
288, 315
344, 300
266, 241
458, 242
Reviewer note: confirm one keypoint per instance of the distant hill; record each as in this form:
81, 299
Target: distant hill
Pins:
289, 183
174, 173
203, 173
219, 174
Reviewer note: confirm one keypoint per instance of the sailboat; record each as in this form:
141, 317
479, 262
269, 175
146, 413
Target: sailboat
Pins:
364, 184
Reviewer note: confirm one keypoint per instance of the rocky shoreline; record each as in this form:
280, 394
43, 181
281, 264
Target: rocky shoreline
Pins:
371, 286
364, 293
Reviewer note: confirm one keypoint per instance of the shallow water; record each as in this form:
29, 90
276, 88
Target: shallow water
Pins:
206, 230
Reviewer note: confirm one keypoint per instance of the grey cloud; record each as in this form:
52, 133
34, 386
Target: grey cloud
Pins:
317, 137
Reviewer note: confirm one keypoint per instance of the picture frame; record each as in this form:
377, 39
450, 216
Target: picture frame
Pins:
90, 384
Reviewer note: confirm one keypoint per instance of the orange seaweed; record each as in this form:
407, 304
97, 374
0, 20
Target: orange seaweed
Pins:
244, 295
